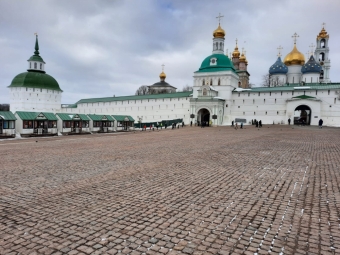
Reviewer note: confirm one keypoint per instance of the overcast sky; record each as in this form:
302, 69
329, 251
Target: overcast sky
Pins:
110, 47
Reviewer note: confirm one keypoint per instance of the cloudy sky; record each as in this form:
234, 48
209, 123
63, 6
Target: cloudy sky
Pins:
111, 47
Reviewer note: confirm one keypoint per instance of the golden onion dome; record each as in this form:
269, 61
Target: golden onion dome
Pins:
219, 32
295, 57
243, 58
162, 75
322, 34
236, 53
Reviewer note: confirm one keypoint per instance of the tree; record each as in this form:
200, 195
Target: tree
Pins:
142, 90
187, 88
266, 80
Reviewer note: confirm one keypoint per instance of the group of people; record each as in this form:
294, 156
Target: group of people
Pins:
236, 125
160, 125
257, 123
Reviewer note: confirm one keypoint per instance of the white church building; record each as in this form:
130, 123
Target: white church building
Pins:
298, 90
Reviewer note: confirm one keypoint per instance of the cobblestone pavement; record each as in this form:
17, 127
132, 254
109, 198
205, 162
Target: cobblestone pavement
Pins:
185, 191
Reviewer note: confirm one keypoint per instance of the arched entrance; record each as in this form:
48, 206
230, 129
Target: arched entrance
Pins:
203, 116
302, 115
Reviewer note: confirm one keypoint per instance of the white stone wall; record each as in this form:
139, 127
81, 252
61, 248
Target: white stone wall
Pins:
294, 74
311, 77
275, 107
151, 110
35, 100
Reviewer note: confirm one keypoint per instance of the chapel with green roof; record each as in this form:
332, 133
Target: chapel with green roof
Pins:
35, 90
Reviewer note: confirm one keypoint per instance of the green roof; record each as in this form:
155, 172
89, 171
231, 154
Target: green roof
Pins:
96, 117
223, 63
125, 98
36, 116
34, 79
7, 115
122, 117
36, 58
69, 106
72, 116
304, 97
292, 87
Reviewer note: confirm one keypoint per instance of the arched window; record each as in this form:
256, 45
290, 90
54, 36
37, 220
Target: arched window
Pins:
30, 65
210, 81
216, 45
221, 46
204, 92
323, 43
35, 65
219, 82
322, 56
40, 66
239, 84
203, 83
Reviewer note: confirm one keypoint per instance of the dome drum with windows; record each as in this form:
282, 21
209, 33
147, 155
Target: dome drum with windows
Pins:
35, 77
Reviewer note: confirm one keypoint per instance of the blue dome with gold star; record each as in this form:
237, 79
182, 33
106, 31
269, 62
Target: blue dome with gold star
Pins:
278, 67
311, 66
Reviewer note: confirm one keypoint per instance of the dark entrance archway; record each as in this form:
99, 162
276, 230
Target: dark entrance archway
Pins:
203, 116
302, 115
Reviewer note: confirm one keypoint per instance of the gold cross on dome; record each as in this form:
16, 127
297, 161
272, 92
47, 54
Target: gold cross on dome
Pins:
219, 18
323, 25
279, 49
295, 35
236, 41
163, 67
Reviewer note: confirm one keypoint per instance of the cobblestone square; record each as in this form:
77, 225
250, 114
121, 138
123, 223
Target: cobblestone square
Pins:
186, 191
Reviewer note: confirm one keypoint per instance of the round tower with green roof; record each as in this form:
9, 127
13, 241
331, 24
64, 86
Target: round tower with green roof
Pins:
35, 90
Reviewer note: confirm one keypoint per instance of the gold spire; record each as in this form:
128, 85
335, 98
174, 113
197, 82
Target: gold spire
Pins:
219, 32
162, 76
295, 57
323, 33
243, 57
236, 53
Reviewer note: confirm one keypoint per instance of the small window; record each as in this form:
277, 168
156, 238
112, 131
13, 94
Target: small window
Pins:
281, 93
219, 82
238, 94
264, 100
275, 100
266, 113
203, 83
270, 93
329, 92
334, 100
40, 66
259, 93
35, 65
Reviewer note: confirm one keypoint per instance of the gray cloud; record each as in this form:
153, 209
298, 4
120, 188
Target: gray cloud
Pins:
105, 48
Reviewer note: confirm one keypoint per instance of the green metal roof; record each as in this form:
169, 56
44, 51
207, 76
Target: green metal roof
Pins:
96, 117
122, 117
292, 87
36, 58
36, 116
34, 79
304, 97
223, 63
125, 98
72, 116
69, 106
7, 115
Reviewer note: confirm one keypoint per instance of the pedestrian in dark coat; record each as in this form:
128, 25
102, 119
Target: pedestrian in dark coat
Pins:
289, 121
320, 123
260, 123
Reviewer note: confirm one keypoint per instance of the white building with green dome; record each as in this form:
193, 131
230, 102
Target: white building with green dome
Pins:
221, 95
34, 90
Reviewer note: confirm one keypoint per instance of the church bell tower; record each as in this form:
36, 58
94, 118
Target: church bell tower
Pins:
321, 54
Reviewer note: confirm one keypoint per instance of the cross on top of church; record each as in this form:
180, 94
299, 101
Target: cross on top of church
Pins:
312, 48
163, 67
295, 35
323, 25
279, 49
219, 18
236, 41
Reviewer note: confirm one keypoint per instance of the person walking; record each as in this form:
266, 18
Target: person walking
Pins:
289, 121
320, 123
182, 123
256, 123
161, 125
236, 127
190, 123
232, 123
241, 125
260, 123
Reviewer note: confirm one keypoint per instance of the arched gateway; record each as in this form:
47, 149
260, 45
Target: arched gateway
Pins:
302, 115
203, 115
